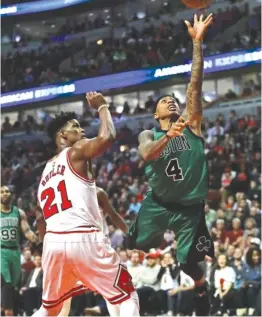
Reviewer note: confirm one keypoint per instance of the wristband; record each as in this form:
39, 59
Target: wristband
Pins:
101, 107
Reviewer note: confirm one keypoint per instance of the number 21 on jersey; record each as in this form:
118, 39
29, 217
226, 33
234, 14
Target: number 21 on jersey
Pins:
50, 194
174, 170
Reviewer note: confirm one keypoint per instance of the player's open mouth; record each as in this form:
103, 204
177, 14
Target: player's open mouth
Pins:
172, 108
83, 136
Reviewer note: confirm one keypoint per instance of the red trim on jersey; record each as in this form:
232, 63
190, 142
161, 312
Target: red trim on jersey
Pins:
73, 292
118, 299
82, 177
78, 231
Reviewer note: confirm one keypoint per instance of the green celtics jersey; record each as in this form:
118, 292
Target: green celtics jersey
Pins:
180, 174
10, 228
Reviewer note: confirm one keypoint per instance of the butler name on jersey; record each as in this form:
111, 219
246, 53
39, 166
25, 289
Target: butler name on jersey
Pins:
68, 200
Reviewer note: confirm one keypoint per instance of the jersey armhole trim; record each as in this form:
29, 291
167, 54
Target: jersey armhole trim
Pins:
193, 133
81, 177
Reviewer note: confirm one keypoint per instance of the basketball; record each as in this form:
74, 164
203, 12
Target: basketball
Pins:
197, 4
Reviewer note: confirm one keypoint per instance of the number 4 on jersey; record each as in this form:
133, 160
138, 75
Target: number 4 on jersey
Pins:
173, 170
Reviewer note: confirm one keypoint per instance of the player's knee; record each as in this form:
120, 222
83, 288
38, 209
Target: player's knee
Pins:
193, 270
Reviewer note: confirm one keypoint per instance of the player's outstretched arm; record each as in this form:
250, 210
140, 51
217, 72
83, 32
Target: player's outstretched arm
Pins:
108, 209
90, 148
25, 228
194, 109
150, 149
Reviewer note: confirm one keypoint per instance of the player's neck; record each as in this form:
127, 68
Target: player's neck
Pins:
5, 208
165, 124
61, 147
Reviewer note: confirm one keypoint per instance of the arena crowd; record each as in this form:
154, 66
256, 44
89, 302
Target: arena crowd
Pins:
151, 46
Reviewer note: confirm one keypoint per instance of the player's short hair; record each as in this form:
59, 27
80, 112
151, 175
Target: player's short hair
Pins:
163, 96
58, 122
10, 188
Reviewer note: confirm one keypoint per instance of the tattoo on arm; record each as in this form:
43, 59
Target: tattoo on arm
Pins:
150, 149
194, 104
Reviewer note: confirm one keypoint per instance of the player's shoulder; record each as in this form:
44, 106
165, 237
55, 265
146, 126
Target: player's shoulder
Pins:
145, 135
21, 213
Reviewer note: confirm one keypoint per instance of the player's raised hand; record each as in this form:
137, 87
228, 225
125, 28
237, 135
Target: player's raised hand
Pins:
199, 27
177, 128
95, 99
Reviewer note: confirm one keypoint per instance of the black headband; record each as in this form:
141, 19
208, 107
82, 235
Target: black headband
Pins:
157, 101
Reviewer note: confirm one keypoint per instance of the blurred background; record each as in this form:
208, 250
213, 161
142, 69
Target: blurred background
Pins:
52, 52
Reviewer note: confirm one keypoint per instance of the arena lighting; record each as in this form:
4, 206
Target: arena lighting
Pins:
38, 6
212, 64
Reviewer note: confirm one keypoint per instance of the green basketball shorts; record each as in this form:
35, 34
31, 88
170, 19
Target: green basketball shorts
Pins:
187, 222
11, 266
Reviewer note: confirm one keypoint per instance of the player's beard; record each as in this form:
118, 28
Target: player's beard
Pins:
174, 117
6, 203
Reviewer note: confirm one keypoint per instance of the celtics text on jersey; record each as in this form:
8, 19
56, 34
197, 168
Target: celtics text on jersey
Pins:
180, 173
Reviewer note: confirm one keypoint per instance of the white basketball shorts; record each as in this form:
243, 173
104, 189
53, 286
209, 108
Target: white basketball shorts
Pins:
76, 261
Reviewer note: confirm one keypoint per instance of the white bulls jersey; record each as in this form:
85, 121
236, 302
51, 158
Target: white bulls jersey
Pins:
67, 199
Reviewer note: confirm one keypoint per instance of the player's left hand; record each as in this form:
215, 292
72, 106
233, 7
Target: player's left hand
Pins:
200, 26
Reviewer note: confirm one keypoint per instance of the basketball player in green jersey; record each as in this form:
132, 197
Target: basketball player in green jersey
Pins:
13, 221
178, 176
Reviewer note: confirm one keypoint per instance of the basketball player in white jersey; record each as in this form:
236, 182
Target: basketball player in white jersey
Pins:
75, 247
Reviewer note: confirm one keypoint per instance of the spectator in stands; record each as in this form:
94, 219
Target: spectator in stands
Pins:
185, 295
230, 95
27, 263
6, 126
149, 284
135, 268
214, 131
252, 278
31, 291
235, 235
218, 232
251, 227
210, 215
134, 205
168, 278
124, 256
116, 236
239, 266
230, 250
225, 278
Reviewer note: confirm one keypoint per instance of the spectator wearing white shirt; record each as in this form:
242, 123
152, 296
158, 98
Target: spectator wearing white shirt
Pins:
135, 269
216, 131
149, 284
185, 293
124, 257
225, 278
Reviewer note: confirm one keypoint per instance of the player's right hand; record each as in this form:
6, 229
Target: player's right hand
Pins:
95, 99
199, 27
177, 128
